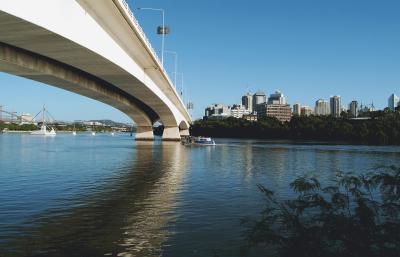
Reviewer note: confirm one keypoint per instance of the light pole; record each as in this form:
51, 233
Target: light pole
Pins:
161, 31
176, 63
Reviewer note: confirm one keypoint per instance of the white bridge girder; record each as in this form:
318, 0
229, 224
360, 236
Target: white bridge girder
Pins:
99, 38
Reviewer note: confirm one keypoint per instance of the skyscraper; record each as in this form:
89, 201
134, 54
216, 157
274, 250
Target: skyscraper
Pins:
297, 109
336, 106
322, 107
393, 102
353, 106
247, 101
277, 98
258, 98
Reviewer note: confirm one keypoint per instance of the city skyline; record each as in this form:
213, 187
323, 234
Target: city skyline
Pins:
324, 49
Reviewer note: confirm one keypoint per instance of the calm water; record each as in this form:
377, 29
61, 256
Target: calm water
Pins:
112, 196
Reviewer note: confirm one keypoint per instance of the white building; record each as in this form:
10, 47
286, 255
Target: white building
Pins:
353, 107
238, 110
322, 107
393, 102
247, 101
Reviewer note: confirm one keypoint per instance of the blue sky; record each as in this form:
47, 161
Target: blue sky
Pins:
308, 49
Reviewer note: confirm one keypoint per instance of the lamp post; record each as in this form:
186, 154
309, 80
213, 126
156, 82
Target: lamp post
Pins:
176, 63
161, 31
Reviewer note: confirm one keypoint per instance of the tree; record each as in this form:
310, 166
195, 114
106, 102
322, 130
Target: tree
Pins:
356, 216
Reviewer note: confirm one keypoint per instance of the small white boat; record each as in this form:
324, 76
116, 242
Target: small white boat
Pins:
74, 133
93, 133
112, 133
44, 132
203, 141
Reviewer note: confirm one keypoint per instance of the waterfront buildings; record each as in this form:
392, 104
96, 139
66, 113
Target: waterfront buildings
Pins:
247, 102
393, 102
238, 110
277, 98
353, 107
250, 117
282, 112
258, 98
217, 111
306, 111
297, 109
26, 118
336, 106
322, 107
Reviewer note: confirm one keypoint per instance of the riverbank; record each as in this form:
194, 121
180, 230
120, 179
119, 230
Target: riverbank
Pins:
382, 129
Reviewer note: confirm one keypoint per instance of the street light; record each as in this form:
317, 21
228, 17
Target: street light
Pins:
176, 63
160, 30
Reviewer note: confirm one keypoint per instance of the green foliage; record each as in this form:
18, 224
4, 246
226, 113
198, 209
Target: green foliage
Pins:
355, 216
383, 127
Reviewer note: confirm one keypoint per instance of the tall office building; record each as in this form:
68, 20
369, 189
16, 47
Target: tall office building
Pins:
322, 107
258, 98
353, 107
393, 102
247, 101
297, 109
277, 98
336, 106
282, 112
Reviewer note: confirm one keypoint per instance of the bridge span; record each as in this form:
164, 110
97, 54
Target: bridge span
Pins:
94, 48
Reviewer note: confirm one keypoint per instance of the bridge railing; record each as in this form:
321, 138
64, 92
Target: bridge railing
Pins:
135, 23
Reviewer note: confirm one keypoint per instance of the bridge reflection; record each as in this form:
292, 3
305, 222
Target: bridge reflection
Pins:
128, 215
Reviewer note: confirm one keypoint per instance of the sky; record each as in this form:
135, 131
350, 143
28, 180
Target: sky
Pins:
307, 49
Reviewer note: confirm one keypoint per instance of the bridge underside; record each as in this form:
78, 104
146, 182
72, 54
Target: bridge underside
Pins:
23, 63
106, 65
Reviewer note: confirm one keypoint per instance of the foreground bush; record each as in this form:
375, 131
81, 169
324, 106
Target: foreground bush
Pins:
356, 216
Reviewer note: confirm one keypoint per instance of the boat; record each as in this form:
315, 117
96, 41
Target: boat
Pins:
206, 141
44, 129
93, 133
44, 132
74, 131
112, 134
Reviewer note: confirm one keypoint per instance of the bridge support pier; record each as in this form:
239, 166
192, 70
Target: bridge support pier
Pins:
144, 133
184, 132
171, 134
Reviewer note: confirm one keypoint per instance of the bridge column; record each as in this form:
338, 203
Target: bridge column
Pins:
184, 132
144, 133
171, 134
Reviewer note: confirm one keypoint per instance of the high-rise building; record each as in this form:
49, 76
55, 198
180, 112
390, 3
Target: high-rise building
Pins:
322, 107
282, 112
237, 111
258, 98
393, 102
336, 106
277, 98
353, 107
247, 101
297, 109
306, 111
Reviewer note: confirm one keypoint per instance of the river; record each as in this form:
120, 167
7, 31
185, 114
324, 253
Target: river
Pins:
108, 195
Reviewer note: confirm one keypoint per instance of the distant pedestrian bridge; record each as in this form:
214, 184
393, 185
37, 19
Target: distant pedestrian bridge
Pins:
94, 48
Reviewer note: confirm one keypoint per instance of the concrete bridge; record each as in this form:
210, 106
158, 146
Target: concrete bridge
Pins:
94, 48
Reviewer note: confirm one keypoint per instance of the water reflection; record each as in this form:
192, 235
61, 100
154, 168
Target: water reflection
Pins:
127, 216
